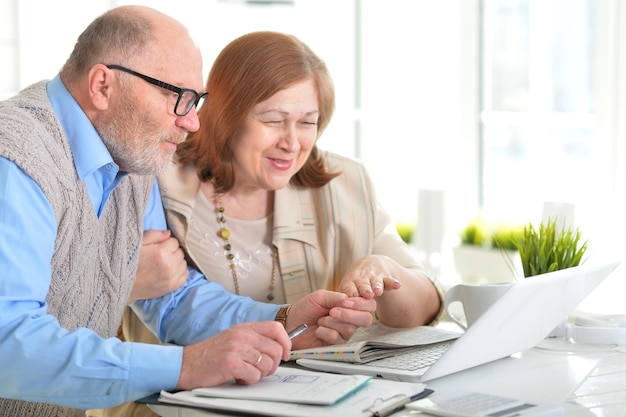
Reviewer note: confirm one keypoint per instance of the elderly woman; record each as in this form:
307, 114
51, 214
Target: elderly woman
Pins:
260, 209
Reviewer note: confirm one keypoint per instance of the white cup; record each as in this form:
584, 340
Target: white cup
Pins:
475, 300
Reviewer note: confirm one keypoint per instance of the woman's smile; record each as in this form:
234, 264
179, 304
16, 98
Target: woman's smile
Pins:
281, 164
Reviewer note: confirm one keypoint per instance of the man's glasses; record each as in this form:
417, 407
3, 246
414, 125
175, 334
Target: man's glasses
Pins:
187, 98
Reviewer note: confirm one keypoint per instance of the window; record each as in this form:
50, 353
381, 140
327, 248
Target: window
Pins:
546, 110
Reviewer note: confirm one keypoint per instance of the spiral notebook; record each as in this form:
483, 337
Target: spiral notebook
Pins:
377, 342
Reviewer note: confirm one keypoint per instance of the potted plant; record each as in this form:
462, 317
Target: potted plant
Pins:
405, 230
549, 248
487, 253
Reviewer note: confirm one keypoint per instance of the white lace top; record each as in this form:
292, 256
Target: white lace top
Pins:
251, 243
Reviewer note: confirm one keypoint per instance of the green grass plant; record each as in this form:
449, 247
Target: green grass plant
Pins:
475, 233
405, 230
504, 236
481, 233
549, 248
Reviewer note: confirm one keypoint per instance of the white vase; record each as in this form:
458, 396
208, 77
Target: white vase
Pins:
475, 264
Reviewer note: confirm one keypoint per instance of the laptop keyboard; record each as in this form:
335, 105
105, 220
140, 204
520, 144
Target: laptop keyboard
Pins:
413, 360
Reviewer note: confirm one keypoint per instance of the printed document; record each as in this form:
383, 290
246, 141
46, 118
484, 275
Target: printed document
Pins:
370, 399
292, 385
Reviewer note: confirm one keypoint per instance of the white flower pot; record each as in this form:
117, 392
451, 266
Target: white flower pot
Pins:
475, 264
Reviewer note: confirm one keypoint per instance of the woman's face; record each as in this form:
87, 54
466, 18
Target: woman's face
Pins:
276, 138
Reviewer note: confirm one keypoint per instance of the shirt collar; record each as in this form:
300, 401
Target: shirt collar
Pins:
88, 150
294, 215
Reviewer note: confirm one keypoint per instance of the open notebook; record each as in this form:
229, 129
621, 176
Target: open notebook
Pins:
524, 315
380, 341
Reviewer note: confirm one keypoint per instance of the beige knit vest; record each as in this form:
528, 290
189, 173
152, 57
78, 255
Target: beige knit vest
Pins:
95, 260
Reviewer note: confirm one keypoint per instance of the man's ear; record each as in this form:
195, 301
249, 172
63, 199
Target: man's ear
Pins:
102, 84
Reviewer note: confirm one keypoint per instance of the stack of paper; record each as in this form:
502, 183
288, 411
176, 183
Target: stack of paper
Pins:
294, 392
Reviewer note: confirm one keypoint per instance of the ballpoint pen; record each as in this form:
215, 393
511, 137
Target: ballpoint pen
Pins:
297, 331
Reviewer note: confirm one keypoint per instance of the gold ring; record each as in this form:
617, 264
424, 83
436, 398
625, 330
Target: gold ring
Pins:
258, 361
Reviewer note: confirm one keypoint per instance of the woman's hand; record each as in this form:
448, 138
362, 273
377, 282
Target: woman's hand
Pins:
404, 297
370, 277
162, 266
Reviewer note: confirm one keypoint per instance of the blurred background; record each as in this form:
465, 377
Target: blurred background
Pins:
499, 109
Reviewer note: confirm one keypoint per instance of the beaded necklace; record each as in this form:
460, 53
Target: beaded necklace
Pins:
224, 233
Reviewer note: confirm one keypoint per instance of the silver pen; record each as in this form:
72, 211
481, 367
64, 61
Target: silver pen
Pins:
297, 331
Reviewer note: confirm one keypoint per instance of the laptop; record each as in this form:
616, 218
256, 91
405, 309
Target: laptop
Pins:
524, 315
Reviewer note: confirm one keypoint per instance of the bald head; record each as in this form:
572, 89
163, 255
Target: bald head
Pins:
124, 35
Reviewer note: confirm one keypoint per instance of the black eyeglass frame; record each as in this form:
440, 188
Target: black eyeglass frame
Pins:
178, 90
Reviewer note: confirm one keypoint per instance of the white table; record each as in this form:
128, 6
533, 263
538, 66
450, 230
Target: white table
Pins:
589, 380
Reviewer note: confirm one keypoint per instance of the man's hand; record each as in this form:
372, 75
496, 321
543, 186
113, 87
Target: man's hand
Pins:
332, 317
245, 353
162, 266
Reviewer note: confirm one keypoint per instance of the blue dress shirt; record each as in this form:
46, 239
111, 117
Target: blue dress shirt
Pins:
47, 363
